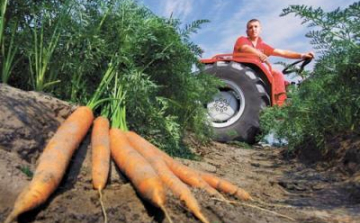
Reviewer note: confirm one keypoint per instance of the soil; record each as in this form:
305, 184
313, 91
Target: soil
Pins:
287, 189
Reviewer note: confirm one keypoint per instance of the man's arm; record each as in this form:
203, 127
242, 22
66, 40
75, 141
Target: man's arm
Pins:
292, 55
252, 50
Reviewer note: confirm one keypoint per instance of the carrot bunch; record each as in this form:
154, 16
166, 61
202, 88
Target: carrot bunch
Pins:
150, 170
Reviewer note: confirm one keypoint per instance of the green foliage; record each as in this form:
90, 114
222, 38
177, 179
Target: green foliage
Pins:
8, 53
8, 56
239, 144
26, 170
3, 7
328, 101
41, 55
153, 60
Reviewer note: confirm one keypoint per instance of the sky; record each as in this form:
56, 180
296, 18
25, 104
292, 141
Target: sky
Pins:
228, 20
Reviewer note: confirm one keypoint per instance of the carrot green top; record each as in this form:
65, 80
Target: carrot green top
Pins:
97, 99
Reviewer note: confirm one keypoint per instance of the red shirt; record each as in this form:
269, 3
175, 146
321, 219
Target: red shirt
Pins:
263, 47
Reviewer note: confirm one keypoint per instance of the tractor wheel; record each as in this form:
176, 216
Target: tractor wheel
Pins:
234, 111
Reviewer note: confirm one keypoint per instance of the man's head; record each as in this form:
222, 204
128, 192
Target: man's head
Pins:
253, 28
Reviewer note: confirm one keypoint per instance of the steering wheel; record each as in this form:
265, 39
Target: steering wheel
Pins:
292, 68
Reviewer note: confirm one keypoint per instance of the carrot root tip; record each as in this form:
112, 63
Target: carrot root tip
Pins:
102, 205
11, 217
167, 215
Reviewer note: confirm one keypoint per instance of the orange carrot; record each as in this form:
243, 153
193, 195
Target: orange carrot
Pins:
225, 186
190, 177
183, 172
141, 174
100, 147
53, 161
198, 179
168, 177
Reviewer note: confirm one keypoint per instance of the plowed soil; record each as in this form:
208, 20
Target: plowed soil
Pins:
285, 190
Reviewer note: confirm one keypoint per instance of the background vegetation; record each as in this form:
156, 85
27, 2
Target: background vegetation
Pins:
64, 48
327, 103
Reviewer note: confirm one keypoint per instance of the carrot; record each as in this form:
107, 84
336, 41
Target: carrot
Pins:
100, 144
100, 147
225, 186
141, 174
198, 179
183, 172
168, 177
190, 177
53, 162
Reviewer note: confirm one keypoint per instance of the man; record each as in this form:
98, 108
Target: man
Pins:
254, 44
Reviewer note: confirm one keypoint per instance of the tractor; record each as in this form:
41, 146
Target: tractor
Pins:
248, 88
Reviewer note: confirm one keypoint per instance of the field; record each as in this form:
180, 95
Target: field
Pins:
291, 188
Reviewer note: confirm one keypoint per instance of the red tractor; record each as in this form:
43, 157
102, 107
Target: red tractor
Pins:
249, 87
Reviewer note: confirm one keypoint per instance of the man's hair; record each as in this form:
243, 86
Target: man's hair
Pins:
252, 20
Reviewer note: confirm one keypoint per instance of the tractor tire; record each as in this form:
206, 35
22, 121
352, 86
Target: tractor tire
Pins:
234, 111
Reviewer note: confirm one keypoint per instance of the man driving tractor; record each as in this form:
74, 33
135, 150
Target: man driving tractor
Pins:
254, 44
249, 85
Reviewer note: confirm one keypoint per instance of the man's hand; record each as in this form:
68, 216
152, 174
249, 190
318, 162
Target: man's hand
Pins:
263, 58
309, 55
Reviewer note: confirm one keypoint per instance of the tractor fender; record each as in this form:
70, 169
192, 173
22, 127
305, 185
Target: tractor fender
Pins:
265, 68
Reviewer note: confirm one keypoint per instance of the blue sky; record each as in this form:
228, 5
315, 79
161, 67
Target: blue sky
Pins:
228, 20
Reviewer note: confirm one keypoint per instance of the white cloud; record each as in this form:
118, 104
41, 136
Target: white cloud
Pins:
178, 8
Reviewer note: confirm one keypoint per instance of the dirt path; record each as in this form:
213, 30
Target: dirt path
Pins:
290, 188
305, 193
